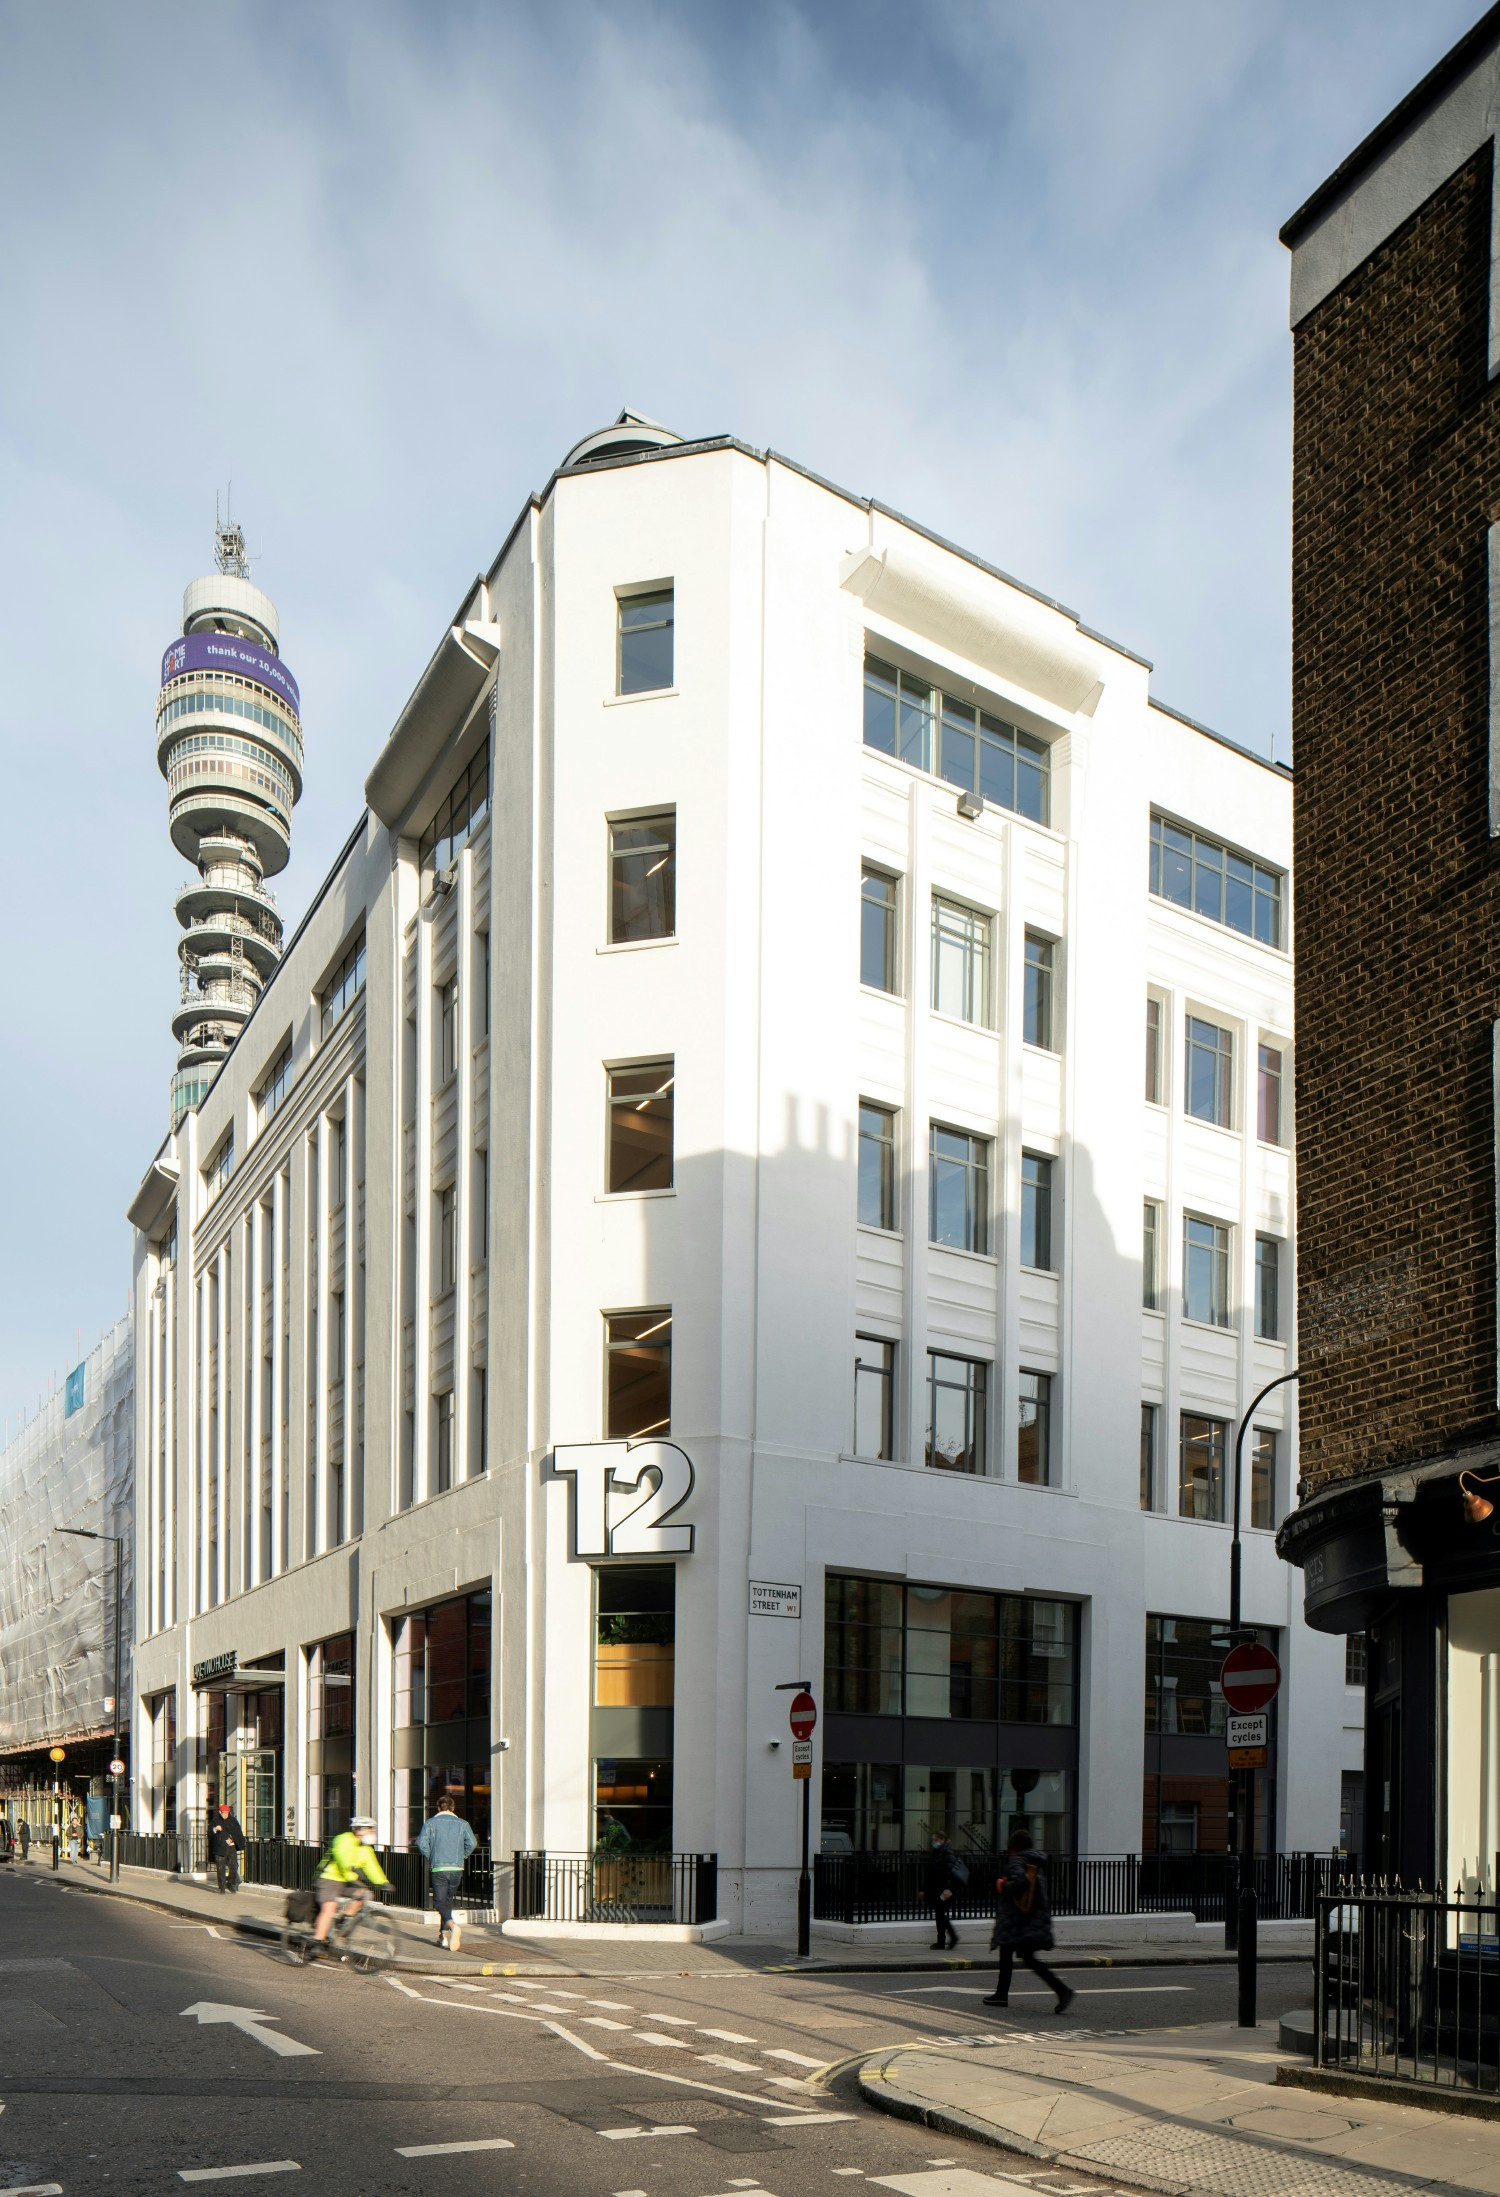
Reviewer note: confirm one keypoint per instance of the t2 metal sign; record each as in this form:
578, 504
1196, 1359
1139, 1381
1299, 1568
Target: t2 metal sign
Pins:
606, 1521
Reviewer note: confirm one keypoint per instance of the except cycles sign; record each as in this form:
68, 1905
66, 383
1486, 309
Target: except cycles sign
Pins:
1250, 1678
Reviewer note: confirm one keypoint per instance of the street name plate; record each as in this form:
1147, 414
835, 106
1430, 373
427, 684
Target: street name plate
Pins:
802, 1758
770, 1599
1248, 1731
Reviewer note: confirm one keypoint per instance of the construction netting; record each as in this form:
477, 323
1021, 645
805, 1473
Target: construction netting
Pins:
72, 1465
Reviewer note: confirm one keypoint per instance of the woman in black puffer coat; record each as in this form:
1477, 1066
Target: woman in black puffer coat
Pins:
1023, 1922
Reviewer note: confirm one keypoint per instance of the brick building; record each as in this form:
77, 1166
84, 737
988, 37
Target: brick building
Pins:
1396, 587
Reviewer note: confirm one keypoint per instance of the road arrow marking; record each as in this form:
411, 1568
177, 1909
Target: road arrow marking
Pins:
248, 2019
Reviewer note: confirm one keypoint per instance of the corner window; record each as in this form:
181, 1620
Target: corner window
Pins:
1034, 1431
644, 660
1151, 1255
1268, 1288
877, 1165
459, 814
957, 1399
643, 877
1212, 880
972, 748
343, 987
958, 1189
874, 1396
1205, 1271
1209, 1084
1156, 1080
1268, 1095
1036, 1211
1148, 1457
960, 962
1040, 960
878, 963
276, 1085
640, 1126
637, 1375
1200, 1492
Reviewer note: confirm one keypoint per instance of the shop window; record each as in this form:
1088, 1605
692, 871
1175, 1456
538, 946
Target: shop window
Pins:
892, 1650
635, 1629
441, 1715
632, 1810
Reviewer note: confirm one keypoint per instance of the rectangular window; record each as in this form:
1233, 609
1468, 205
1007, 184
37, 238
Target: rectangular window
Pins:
1205, 1271
949, 1652
339, 1186
874, 1397
957, 1391
1040, 961
1034, 1431
1148, 1457
1156, 1081
1356, 1665
277, 1083
447, 1031
1268, 1095
640, 1126
1151, 1255
221, 1164
958, 1167
1200, 1492
643, 878
637, 1375
344, 986
1210, 1073
482, 1200
877, 1165
1268, 1288
878, 962
972, 748
1211, 879
442, 1448
960, 962
634, 1636
459, 814
335, 1335
644, 660
484, 983
447, 1240
1036, 1212
1263, 1478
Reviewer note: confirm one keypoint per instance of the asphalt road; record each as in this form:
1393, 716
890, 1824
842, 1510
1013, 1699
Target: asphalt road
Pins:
139, 2053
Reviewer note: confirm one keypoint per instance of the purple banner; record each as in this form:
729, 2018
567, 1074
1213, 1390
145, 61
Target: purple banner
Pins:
223, 652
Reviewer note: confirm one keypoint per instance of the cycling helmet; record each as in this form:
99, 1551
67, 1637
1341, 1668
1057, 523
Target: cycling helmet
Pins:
361, 1823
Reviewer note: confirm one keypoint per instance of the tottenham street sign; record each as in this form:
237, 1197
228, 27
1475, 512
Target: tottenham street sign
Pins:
1250, 1678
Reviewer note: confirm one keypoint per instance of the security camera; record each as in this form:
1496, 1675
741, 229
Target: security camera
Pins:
773, 1744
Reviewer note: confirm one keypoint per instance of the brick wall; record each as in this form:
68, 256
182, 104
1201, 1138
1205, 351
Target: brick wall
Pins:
1397, 476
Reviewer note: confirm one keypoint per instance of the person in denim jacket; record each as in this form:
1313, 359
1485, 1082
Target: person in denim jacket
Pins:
445, 1843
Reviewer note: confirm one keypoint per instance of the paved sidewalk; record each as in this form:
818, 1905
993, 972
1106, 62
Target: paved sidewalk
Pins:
1197, 2111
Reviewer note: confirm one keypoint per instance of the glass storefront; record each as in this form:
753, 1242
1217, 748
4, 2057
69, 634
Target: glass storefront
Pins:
441, 1742
330, 1736
242, 1750
635, 1636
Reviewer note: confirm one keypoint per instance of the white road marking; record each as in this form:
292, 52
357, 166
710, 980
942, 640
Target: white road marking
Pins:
787, 2082
610, 2006
654, 2036
805, 2120
33, 2189
952, 2181
601, 2021
623, 2135
435, 2151
722, 2059
405, 1989
725, 2036
674, 2021
859, 2170
249, 2021
798, 2059
236, 2173
629, 2193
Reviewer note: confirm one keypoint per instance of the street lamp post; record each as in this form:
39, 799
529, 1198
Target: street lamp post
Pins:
1247, 1904
87, 1533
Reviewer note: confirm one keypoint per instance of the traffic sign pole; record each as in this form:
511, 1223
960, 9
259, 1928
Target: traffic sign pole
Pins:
803, 1718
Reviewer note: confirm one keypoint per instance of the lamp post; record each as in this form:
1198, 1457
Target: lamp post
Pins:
87, 1533
1244, 1780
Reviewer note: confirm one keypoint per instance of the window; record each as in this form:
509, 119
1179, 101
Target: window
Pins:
1356, 1663
442, 1448
877, 1165
956, 1398
344, 986
637, 1375
441, 1697
1200, 1492
1034, 1431
932, 1651
1263, 1478
643, 878
1210, 1072
878, 962
1148, 1457
278, 1082
335, 1335
482, 1199
634, 1636
1036, 1211
960, 962
1177, 1831
1183, 1659
484, 983
1156, 1081
969, 746
447, 1243
958, 1189
459, 814
874, 1397
1268, 1288
1040, 958
645, 641
1230, 888
339, 1186
221, 1165
1268, 1095
1205, 1271
1151, 1255
640, 1126
447, 1031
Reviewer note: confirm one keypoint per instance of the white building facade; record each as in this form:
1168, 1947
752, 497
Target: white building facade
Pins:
795, 1006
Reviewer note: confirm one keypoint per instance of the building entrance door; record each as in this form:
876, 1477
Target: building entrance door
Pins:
248, 1782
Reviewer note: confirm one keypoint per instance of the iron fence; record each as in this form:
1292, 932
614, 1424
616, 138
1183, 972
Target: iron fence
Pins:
893, 1887
293, 1863
1407, 1986
605, 1887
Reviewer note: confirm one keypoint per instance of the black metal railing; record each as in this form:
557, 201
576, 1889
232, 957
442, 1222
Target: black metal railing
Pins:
293, 1863
1407, 1986
893, 1887
606, 1887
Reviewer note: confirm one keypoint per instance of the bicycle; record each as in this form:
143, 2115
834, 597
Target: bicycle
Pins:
366, 1940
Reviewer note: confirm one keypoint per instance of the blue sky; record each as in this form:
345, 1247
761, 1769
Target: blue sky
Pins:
1009, 267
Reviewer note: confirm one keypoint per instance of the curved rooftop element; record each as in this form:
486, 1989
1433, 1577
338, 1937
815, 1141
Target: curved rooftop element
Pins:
631, 432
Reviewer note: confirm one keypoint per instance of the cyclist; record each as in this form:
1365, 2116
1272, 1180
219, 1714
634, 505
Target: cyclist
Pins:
345, 1872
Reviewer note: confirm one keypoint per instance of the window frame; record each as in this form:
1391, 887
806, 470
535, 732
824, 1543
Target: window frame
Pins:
447, 1030
274, 1085
1039, 992
976, 1166
890, 911
343, 988
1040, 1403
1269, 1079
1039, 1194
960, 741
1265, 1468
664, 821
882, 1375
1150, 1454
456, 818
1222, 1052
445, 1237
1152, 1237
623, 1101
1267, 1287
1156, 1057
885, 1145
1221, 1252
1206, 857
655, 1320
975, 1390
641, 597
1215, 1449
973, 934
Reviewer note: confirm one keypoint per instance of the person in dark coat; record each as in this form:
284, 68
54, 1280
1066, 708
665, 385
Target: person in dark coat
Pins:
946, 1876
1023, 1922
23, 1834
226, 1842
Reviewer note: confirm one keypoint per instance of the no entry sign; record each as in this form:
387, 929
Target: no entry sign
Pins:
803, 1716
1250, 1678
